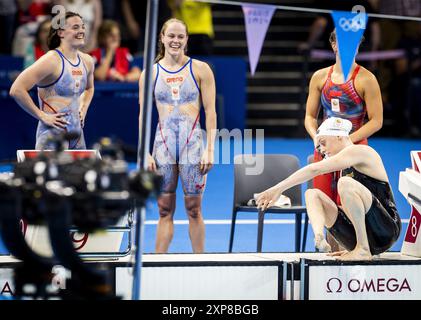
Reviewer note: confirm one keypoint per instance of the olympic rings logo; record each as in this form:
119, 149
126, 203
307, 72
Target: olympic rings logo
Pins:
354, 24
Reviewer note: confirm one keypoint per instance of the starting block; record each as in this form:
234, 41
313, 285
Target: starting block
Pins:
410, 187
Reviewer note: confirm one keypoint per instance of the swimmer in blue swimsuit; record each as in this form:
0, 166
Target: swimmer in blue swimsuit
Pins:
181, 84
64, 77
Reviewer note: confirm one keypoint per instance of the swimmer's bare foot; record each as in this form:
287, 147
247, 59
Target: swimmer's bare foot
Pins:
356, 254
321, 243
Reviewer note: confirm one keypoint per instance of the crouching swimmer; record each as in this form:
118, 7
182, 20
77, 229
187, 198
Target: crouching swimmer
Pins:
367, 222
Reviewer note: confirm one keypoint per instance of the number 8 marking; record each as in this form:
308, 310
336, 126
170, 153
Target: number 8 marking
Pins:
414, 229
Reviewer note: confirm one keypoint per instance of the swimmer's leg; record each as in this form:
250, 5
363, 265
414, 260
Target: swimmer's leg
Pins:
193, 185
356, 200
166, 206
322, 212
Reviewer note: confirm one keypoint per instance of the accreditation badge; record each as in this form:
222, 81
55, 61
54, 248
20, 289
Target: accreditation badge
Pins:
335, 105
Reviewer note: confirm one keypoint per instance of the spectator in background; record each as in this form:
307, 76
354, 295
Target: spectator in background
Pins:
393, 30
405, 87
395, 74
8, 10
33, 10
111, 9
134, 16
198, 18
39, 47
31, 13
113, 62
134, 21
91, 11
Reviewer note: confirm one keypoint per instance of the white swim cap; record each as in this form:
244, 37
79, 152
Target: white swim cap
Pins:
334, 127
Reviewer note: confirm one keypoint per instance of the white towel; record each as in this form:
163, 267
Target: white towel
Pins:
283, 201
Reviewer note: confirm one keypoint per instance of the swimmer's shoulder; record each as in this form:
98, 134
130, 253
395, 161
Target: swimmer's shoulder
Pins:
319, 77
88, 60
201, 69
365, 77
322, 74
51, 57
48, 65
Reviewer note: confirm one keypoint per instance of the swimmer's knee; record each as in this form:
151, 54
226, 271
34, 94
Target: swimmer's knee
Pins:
166, 205
347, 186
193, 205
311, 193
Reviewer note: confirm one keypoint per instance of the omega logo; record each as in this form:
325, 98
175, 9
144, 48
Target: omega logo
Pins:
336, 285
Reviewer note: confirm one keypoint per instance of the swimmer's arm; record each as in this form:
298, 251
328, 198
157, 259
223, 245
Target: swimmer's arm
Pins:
32, 75
96, 23
208, 91
313, 103
87, 96
374, 104
348, 157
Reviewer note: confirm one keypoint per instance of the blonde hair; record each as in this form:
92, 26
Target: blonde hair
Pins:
161, 47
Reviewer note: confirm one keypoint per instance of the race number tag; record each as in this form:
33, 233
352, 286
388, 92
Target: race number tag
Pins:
335, 105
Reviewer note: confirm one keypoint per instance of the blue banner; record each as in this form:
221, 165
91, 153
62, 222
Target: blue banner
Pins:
350, 27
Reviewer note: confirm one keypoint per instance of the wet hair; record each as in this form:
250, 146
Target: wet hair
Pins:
104, 30
54, 39
161, 47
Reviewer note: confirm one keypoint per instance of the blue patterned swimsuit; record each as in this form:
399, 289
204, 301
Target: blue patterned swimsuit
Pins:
63, 96
178, 146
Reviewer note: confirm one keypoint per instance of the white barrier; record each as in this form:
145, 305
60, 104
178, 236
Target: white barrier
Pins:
257, 276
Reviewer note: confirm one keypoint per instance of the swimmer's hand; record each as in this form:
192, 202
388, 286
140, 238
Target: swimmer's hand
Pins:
267, 198
151, 163
55, 120
115, 75
206, 163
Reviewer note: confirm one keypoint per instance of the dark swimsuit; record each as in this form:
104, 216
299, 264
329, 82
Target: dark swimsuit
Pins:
382, 220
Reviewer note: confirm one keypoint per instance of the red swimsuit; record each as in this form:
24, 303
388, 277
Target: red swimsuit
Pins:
343, 101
